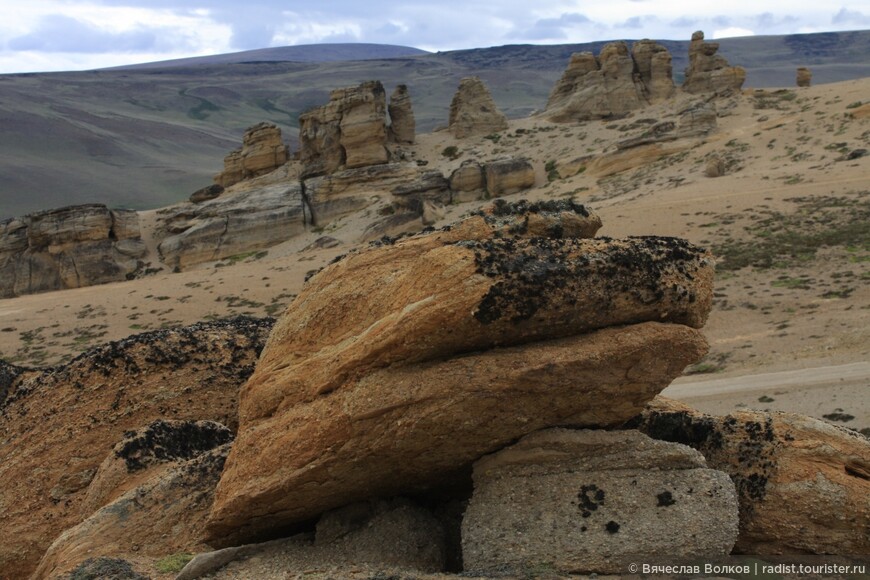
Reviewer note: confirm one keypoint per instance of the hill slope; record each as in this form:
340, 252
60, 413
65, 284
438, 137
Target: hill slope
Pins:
146, 138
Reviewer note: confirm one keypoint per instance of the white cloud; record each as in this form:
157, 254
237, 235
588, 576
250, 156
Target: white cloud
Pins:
731, 32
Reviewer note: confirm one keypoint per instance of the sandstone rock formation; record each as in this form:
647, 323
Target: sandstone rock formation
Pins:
613, 84
206, 193
403, 127
393, 533
715, 166
60, 424
467, 182
803, 484
349, 131
653, 64
162, 516
361, 397
232, 224
68, 247
473, 111
697, 120
592, 502
263, 150
804, 77
709, 72
506, 176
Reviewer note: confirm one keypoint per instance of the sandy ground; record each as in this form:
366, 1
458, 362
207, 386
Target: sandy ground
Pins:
788, 171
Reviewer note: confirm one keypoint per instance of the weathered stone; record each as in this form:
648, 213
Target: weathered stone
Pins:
467, 181
62, 422
232, 224
69, 247
392, 533
709, 72
612, 85
545, 219
506, 176
430, 187
473, 111
715, 166
164, 515
206, 193
594, 502
263, 150
354, 393
803, 484
638, 156
697, 121
402, 124
350, 131
144, 453
804, 77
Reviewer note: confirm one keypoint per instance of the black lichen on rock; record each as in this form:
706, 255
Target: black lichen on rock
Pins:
665, 499
105, 569
590, 498
164, 441
611, 527
8, 376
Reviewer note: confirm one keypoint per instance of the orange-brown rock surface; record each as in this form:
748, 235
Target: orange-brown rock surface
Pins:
262, 151
405, 361
58, 425
709, 72
803, 484
473, 111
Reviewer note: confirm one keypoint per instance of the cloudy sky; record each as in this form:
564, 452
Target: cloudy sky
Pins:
46, 35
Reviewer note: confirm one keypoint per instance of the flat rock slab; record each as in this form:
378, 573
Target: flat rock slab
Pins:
593, 502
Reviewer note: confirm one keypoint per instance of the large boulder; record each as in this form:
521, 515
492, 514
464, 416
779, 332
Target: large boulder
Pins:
709, 72
162, 516
69, 247
506, 176
234, 223
595, 502
804, 77
467, 182
349, 131
612, 84
263, 150
58, 425
803, 484
463, 342
402, 124
473, 111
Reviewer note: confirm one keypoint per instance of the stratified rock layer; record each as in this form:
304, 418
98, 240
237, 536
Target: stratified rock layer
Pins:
595, 502
461, 337
403, 127
473, 111
69, 247
709, 72
58, 425
349, 131
262, 151
803, 484
613, 84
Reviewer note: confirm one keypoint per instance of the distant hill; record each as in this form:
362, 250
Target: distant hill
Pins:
147, 136
336, 52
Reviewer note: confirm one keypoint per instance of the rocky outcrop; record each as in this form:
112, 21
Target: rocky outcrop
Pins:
467, 182
69, 247
697, 121
354, 399
162, 516
803, 484
715, 166
473, 111
263, 150
60, 424
506, 176
613, 84
151, 450
231, 224
591, 502
395, 533
403, 127
349, 131
653, 64
206, 193
804, 77
709, 72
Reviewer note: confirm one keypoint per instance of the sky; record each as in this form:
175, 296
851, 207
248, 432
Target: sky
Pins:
53, 35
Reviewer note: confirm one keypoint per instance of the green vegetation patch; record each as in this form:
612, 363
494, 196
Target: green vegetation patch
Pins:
173, 563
